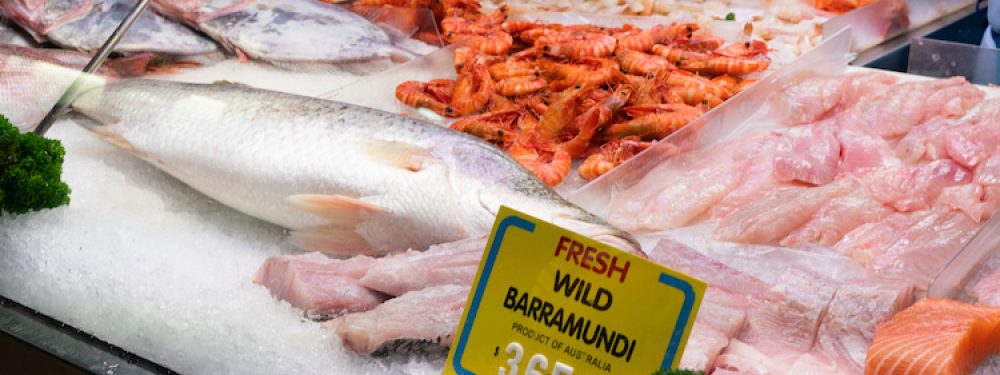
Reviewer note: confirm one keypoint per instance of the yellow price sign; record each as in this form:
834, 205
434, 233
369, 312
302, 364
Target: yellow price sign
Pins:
550, 301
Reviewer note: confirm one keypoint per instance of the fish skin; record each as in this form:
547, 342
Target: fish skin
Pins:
86, 24
261, 152
284, 31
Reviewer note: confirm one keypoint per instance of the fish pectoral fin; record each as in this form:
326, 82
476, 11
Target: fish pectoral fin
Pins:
341, 210
331, 239
397, 154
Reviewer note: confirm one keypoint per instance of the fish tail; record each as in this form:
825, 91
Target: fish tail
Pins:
131, 66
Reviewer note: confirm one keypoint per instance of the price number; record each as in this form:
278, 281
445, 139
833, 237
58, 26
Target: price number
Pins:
536, 364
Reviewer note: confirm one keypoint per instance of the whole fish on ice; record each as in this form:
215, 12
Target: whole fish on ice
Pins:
284, 31
86, 24
344, 179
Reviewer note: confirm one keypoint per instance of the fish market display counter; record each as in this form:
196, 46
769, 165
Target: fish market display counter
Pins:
164, 276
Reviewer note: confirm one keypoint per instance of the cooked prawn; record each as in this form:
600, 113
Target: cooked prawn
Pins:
517, 86
611, 155
513, 68
677, 54
634, 39
498, 127
594, 118
727, 65
642, 63
683, 78
473, 88
695, 97
586, 71
654, 122
577, 44
550, 165
745, 49
672, 32
415, 94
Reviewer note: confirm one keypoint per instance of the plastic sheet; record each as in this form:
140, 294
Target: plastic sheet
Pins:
977, 258
721, 124
884, 19
938, 58
871, 24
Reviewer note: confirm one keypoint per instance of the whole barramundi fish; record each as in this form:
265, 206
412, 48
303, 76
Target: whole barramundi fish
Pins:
344, 179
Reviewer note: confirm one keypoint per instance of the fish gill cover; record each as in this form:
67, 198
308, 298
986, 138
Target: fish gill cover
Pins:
30, 171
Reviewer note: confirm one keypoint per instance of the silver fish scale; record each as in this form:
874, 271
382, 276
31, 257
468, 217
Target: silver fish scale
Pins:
251, 149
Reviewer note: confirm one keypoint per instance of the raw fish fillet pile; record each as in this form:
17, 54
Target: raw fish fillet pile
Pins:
892, 177
895, 175
403, 303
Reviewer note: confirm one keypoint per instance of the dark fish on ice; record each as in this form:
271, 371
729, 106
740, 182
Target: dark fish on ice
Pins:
285, 31
86, 24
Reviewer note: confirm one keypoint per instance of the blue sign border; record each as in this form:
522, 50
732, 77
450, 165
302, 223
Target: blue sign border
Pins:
522, 223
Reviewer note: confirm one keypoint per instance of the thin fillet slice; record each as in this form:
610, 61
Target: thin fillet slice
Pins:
416, 322
320, 286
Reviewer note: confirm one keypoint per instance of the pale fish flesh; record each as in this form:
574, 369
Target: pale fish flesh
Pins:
284, 31
345, 179
86, 24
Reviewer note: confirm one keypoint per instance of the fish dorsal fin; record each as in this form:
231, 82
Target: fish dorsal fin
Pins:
341, 210
330, 239
230, 83
397, 154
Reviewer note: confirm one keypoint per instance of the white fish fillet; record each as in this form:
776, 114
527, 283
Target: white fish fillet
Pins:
453, 263
321, 286
416, 322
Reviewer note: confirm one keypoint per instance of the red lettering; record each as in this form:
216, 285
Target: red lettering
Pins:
562, 245
575, 249
587, 257
602, 262
623, 270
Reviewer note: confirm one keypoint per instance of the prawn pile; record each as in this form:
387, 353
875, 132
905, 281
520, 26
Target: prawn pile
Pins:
551, 93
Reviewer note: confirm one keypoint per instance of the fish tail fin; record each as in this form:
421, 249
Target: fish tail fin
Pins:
131, 66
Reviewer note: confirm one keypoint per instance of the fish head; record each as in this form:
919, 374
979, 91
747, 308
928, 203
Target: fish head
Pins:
501, 181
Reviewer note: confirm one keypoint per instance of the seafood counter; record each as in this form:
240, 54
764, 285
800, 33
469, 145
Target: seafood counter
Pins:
818, 202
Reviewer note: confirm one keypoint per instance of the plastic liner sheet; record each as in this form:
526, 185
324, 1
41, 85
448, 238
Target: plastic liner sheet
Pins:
938, 58
725, 122
884, 19
978, 258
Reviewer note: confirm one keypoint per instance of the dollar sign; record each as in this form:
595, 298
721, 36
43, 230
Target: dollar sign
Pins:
496, 351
